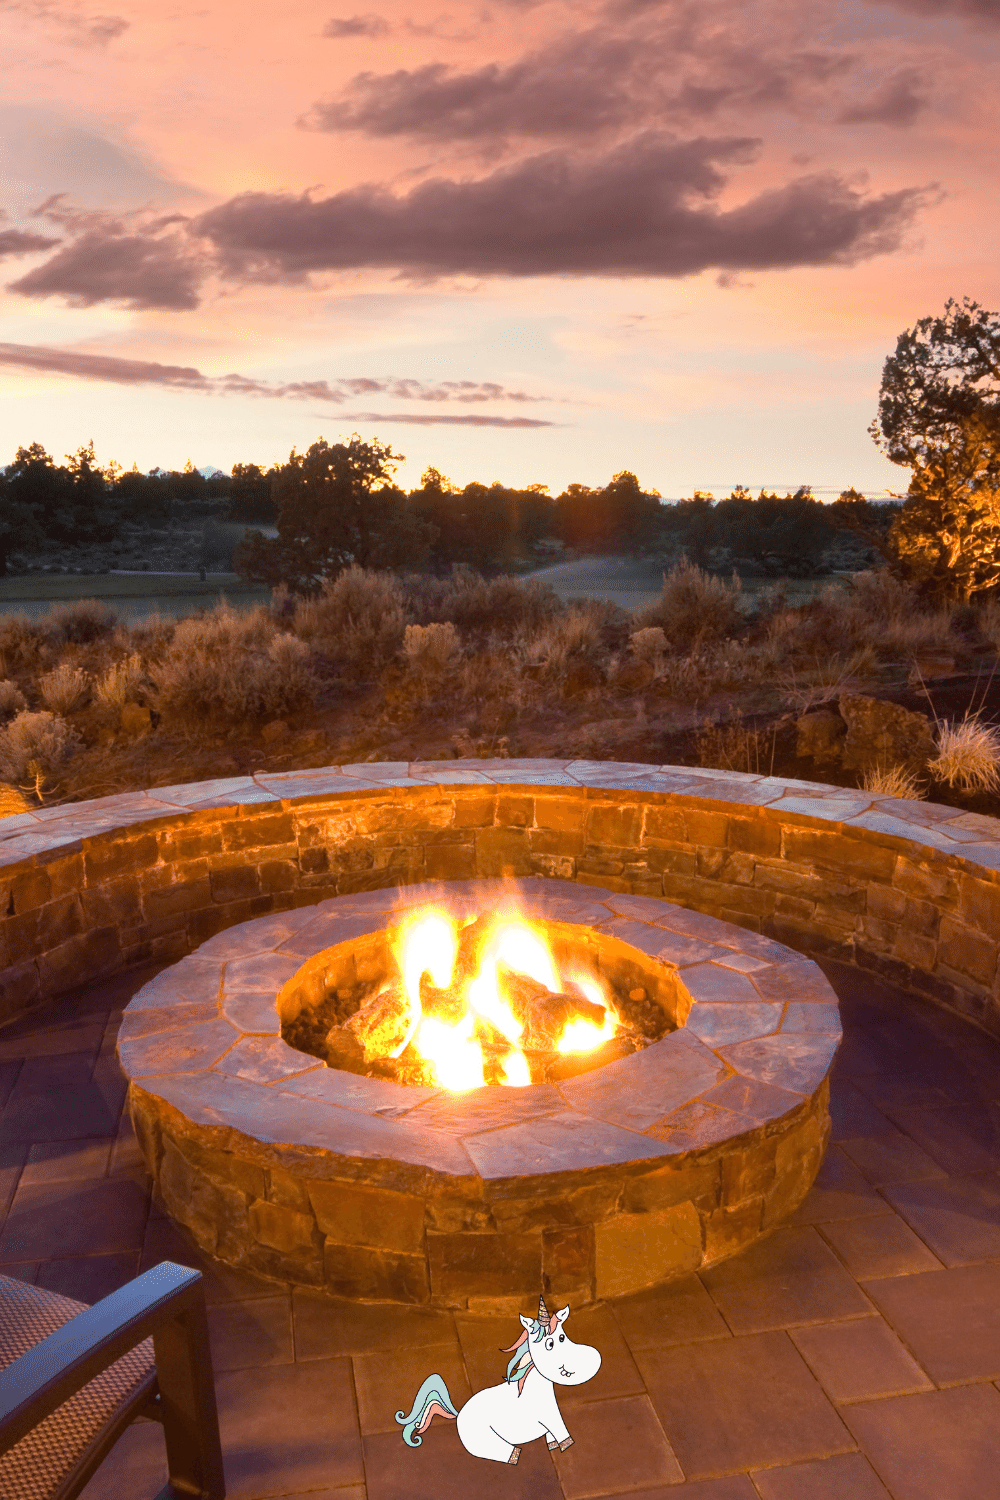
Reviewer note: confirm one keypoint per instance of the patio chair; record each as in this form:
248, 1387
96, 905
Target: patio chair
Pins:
72, 1378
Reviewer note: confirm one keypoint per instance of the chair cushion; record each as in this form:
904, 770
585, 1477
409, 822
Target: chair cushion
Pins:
35, 1467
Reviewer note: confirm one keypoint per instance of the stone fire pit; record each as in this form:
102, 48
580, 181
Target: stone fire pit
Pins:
641, 1170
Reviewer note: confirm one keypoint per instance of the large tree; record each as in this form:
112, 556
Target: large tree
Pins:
939, 416
336, 505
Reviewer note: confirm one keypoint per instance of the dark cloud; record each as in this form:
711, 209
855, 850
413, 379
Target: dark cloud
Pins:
185, 377
17, 242
897, 102
136, 270
642, 208
351, 26
587, 82
974, 10
630, 211
579, 86
139, 261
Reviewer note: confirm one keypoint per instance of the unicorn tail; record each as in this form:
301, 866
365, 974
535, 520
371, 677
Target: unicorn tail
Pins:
432, 1400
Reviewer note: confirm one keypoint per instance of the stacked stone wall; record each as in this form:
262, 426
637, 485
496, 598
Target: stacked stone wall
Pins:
909, 890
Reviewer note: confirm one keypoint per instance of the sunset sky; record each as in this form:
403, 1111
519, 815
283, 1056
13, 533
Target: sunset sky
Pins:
528, 242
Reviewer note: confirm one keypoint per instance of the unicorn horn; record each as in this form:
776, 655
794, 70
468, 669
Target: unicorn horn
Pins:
543, 1312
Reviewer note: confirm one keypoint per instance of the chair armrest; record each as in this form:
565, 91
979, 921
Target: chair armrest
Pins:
167, 1302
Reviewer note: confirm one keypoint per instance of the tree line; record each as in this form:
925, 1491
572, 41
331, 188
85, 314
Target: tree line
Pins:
337, 503
938, 416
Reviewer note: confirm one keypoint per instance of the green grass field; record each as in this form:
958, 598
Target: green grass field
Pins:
628, 582
133, 596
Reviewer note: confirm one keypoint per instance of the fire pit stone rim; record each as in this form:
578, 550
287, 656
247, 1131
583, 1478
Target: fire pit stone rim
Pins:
624, 1096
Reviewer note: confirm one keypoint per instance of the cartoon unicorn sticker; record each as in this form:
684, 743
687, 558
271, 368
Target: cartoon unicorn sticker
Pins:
496, 1422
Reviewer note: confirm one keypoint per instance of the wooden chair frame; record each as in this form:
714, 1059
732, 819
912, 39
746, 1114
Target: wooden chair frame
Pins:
167, 1302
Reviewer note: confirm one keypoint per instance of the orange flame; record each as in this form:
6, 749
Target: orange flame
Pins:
428, 942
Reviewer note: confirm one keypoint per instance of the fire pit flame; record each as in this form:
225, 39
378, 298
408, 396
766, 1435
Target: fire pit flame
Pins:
492, 983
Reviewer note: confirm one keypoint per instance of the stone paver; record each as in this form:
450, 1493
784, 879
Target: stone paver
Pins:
851, 1355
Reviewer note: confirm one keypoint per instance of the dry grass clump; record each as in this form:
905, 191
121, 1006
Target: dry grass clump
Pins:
12, 801
12, 700
567, 650
893, 781
356, 620
735, 747
64, 689
227, 668
822, 680
81, 621
694, 607
119, 682
35, 744
968, 755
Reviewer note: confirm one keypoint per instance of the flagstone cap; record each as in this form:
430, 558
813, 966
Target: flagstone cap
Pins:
204, 1036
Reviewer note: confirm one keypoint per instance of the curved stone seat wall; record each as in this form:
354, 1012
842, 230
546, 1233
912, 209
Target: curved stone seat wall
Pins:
910, 890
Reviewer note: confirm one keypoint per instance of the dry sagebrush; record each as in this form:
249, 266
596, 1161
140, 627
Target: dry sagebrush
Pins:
119, 682
64, 689
227, 669
694, 607
42, 740
12, 700
356, 621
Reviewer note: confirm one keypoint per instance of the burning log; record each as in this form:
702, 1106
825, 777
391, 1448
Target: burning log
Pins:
543, 1014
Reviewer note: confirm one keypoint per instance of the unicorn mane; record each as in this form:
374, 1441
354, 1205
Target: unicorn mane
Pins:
521, 1364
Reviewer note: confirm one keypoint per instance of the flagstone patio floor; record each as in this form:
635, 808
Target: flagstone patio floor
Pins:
852, 1355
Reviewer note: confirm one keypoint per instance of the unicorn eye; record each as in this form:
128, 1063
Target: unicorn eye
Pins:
562, 1338
549, 1343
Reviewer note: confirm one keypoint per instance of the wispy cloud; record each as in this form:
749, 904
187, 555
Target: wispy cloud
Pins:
73, 22
421, 419
355, 26
140, 372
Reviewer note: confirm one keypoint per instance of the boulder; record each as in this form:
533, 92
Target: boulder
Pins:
276, 730
884, 734
820, 735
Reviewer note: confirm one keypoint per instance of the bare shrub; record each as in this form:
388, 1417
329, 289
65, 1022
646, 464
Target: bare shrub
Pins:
283, 604
12, 700
64, 689
81, 621
968, 755
119, 682
893, 781
356, 620
42, 740
694, 606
